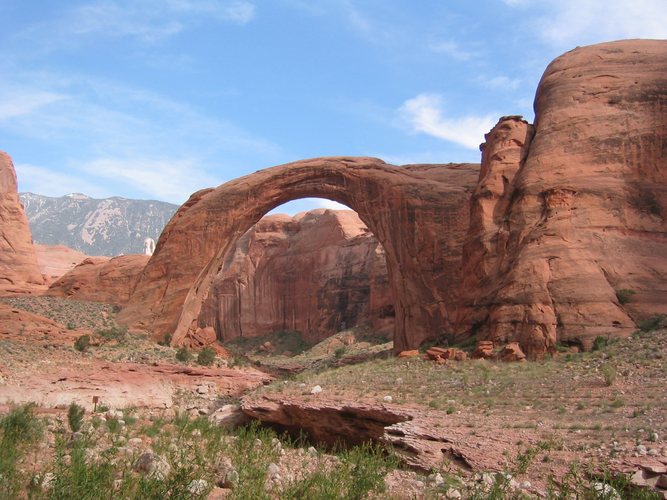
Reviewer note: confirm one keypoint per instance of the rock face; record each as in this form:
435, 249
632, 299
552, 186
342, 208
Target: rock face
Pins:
55, 261
110, 226
18, 262
563, 221
317, 273
419, 214
101, 279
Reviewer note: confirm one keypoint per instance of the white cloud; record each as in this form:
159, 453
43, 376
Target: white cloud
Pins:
170, 180
500, 82
145, 20
577, 22
423, 114
16, 102
331, 205
453, 50
48, 182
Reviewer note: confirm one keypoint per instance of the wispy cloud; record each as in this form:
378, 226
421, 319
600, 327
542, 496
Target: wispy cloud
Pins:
453, 50
16, 102
164, 179
49, 182
500, 82
424, 114
575, 22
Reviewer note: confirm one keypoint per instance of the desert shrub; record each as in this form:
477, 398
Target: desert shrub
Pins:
166, 340
206, 356
18, 428
183, 355
609, 373
360, 472
599, 343
117, 333
82, 343
652, 323
624, 295
339, 352
71, 326
75, 415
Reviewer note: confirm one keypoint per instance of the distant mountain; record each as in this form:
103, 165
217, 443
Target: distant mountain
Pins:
111, 226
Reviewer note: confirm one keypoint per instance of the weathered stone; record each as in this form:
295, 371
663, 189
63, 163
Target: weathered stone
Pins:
512, 352
408, 354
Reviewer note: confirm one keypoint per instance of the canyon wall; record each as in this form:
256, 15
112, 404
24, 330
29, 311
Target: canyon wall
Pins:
318, 272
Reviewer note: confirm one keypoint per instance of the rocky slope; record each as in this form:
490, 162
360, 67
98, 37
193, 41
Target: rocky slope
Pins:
564, 221
111, 226
317, 273
19, 270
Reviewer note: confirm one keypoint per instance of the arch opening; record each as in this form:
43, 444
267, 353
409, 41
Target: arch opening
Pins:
307, 270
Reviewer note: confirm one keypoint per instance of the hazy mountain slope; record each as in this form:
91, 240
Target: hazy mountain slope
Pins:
110, 226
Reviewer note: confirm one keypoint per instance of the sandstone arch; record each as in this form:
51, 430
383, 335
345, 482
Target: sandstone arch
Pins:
419, 213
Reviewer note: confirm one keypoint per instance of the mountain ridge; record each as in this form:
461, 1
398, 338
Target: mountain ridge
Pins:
95, 226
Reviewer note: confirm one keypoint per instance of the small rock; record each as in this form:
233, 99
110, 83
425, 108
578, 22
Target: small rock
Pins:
437, 479
453, 494
272, 471
641, 450
604, 490
136, 442
316, 390
198, 486
117, 414
312, 451
196, 433
387, 399
202, 389
652, 452
47, 480
153, 465
526, 485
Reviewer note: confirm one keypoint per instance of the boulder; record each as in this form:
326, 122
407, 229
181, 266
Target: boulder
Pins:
483, 350
512, 352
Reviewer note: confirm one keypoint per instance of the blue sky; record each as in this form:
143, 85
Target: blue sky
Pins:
155, 99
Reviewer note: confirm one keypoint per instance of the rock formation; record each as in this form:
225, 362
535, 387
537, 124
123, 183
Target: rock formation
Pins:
566, 222
18, 262
101, 279
317, 273
580, 213
55, 261
419, 214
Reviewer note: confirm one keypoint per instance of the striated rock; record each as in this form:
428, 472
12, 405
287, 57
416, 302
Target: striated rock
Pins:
512, 352
483, 350
316, 273
55, 261
101, 279
418, 213
409, 354
577, 212
19, 270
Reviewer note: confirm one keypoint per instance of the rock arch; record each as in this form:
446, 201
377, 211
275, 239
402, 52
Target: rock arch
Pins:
419, 214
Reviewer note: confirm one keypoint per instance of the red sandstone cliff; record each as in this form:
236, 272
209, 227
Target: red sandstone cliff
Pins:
584, 214
316, 273
101, 279
19, 271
